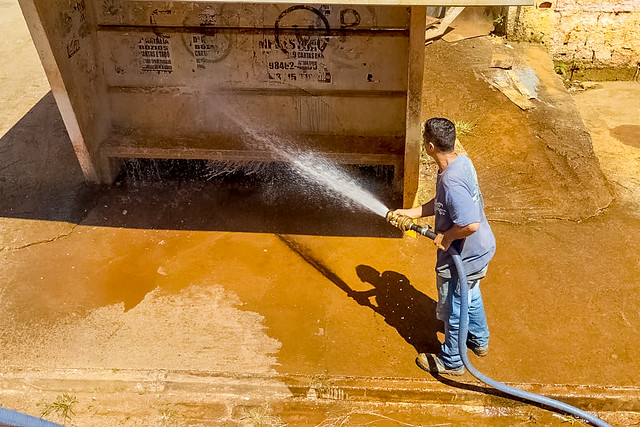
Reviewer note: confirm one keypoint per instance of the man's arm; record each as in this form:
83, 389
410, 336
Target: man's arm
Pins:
444, 240
419, 211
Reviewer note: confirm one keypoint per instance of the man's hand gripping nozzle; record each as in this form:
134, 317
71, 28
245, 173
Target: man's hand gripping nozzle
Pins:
406, 223
402, 222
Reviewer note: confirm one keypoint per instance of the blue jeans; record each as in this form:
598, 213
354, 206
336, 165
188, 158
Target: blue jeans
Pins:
448, 310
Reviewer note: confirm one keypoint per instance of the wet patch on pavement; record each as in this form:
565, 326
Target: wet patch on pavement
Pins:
627, 134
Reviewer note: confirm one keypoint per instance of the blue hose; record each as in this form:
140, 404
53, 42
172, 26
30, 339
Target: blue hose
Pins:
13, 418
462, 347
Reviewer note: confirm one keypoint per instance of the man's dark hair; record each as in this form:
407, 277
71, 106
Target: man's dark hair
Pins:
441, 132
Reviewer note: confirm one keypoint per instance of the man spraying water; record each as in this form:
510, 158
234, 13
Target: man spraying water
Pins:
459, 221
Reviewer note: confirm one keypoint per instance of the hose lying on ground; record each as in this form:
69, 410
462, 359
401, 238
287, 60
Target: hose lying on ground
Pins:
405, 223
14, 418
462, 347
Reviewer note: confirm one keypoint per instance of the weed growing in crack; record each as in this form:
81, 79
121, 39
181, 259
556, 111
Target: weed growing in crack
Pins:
261, 416
62, 406
168, 417
346, 419
464, 127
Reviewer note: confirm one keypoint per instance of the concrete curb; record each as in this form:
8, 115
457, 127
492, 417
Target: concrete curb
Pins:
444, 391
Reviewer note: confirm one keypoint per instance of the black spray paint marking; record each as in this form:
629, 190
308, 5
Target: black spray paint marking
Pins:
349, 18
208, 18
72, 48
80, 6
109, 7
303, 38
324, 76
156, 13
74, 26
66, 23
209, 48
301, 34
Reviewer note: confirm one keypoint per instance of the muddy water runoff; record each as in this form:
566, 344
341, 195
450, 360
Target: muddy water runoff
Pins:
256, 276
555, 289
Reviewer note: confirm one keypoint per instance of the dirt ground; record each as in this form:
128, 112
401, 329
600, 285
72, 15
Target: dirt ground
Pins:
609, 110
233, 301
534, 164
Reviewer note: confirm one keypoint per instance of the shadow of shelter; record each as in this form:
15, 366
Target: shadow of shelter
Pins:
41, 179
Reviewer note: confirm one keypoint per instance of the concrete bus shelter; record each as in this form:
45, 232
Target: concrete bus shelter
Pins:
169, 80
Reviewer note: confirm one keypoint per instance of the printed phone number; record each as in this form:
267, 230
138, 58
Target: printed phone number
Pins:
290, 65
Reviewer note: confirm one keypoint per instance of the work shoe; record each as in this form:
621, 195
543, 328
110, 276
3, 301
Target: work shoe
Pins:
480, 351
432, 363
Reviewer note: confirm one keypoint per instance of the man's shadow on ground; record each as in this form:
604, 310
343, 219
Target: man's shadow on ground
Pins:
409, 311
413, 315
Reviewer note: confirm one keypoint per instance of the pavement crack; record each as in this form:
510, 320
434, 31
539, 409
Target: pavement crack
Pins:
597, 213
528, 220
39, 242
505, 221
8, 165
74, 222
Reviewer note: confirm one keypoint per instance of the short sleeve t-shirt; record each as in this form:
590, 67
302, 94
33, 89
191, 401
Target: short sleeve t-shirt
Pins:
459, 201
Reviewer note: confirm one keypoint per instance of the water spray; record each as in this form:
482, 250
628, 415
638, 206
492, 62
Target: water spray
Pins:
406, 223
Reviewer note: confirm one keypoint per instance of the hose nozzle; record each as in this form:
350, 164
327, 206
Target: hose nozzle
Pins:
406, 223
402, 222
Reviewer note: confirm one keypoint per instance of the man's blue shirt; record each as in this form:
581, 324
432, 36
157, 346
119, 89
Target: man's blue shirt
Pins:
459, 201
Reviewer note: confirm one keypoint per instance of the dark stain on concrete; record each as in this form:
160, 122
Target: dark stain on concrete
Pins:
627, 134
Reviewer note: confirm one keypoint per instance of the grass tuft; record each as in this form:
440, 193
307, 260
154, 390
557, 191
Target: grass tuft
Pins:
464, 128
168, 417
261, 416
62, 406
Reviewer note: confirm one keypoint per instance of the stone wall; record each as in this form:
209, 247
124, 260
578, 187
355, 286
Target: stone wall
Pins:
582, 34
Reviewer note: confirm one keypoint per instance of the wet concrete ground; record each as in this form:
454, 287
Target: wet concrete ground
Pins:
195, 302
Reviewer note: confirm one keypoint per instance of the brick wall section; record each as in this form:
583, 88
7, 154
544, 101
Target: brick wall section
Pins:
598, 33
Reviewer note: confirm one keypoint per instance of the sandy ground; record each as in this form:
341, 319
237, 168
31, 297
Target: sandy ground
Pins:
610, 111
194, 302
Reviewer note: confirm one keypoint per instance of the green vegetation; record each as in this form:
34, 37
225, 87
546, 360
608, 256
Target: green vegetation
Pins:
499, 20
567, 68
168, 417
62, 406
464, 128
261, 416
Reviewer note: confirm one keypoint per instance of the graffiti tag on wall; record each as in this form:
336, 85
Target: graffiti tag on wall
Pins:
296, 51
